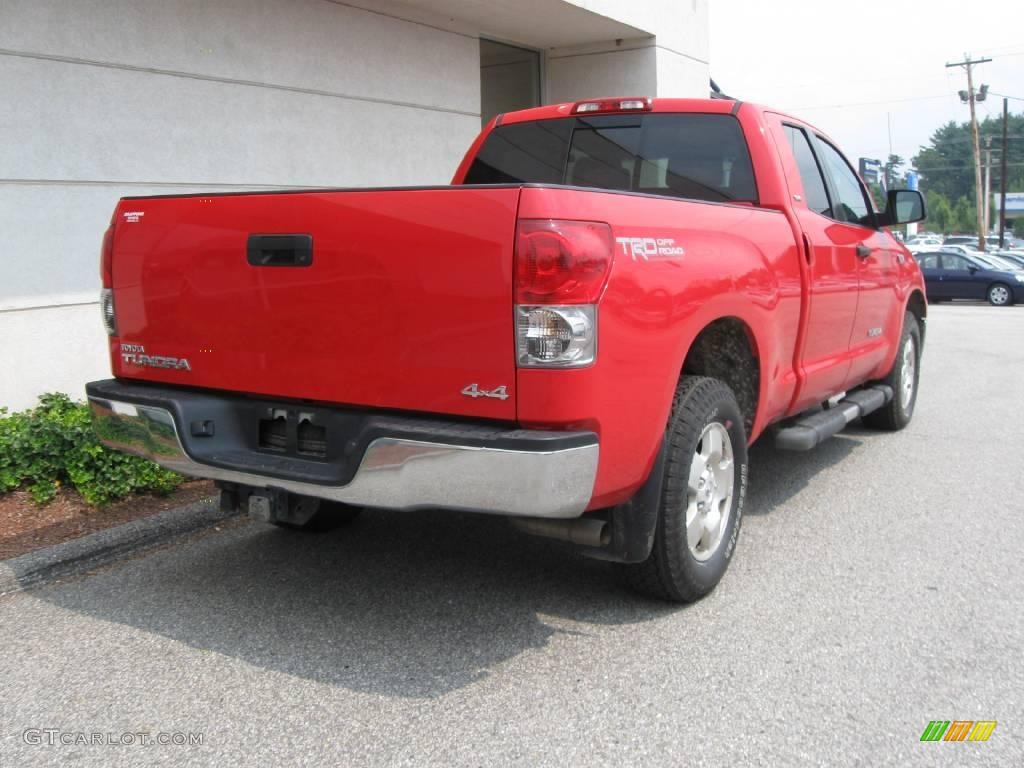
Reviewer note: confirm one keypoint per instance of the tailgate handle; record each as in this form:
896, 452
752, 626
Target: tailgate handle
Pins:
280, 250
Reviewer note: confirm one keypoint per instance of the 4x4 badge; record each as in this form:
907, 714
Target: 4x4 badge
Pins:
474, 391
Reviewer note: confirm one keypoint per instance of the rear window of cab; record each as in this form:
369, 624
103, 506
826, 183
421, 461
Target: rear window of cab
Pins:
694, 156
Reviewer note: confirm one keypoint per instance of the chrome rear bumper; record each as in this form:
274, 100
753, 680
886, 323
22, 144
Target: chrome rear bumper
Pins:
394, 473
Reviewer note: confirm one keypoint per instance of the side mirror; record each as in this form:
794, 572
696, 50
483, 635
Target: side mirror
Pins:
972, 269
904, 206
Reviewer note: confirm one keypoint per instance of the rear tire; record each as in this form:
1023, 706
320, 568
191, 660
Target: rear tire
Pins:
903, 379
999, 295
704, 483
328, 516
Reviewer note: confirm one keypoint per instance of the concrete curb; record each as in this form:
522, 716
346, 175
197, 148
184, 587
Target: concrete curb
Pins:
97, 549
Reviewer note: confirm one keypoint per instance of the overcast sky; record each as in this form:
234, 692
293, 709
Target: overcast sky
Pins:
847, 66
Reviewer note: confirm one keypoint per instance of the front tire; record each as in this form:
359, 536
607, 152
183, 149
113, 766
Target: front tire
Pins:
903, 379
999, 295
704, 483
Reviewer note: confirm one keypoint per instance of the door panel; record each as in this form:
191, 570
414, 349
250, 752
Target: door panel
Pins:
932, 274
879, 307
830, 262
957, 279
833, 305
877, 266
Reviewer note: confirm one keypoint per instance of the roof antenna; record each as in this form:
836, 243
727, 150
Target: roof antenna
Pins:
716, 92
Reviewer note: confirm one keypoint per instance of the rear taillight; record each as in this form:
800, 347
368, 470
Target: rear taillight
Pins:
562, 262
556, 336
561, 270
107, 258
107, 276
107, 311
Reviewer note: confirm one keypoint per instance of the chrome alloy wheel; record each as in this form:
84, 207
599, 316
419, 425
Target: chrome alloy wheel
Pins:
999, 295
709, 491
908, 373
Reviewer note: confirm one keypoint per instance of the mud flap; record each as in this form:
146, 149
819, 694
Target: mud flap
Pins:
633, 523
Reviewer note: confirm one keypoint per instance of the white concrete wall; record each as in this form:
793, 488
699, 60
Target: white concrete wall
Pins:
105, 98
50, 349
681, 76
623, 68
672, 61
678, 25
603, 69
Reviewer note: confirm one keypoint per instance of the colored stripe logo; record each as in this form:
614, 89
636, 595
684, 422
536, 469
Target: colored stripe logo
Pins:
958, 730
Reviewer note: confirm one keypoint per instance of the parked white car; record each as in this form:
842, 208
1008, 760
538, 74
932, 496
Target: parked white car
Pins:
916, 244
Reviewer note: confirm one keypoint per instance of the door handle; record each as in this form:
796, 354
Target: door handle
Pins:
279, 250
863, 251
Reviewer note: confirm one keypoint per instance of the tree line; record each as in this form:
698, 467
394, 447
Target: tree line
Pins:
946, 167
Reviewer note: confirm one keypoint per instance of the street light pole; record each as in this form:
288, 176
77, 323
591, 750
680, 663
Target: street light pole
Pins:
969, 64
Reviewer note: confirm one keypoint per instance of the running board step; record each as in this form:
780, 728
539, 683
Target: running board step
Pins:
808, 431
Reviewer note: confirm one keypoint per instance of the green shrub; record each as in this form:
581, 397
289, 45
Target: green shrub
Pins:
54, 444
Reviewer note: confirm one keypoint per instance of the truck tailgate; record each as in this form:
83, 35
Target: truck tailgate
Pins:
406, 301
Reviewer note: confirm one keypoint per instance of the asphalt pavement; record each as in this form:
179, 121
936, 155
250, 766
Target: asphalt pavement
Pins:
877, 586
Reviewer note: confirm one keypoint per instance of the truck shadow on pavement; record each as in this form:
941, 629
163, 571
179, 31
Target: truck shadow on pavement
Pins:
397, 604
776, 476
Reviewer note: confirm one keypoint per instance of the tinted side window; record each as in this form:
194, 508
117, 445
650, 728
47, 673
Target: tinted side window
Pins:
810, 173
523, 152
852, 204
931, 261
955, 263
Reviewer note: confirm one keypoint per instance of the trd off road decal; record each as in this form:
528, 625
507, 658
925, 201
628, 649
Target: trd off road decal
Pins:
648, 248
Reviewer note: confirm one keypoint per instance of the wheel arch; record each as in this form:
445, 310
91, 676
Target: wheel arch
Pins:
726, 348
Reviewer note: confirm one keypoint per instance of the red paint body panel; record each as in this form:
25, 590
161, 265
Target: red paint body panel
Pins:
407, 301
410, 298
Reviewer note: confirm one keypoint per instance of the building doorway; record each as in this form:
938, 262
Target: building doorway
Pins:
509, 78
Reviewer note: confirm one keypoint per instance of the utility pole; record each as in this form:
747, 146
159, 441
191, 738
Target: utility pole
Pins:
1002, 181
969, 65
986, 218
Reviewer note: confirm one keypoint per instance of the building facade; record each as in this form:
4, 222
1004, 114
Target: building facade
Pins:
106, 98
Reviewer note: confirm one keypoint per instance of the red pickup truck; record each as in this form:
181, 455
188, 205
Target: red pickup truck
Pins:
583, 332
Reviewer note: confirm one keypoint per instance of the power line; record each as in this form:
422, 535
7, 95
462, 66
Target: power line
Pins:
926, 171
1003, 95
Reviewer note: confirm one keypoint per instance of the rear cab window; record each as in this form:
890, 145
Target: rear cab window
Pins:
693, 156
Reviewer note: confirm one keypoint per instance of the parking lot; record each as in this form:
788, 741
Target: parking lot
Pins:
877, 586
